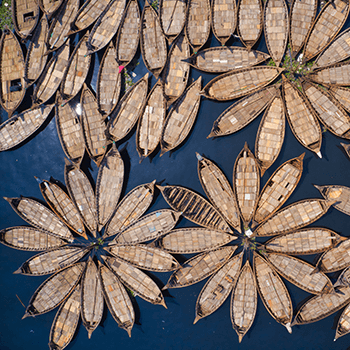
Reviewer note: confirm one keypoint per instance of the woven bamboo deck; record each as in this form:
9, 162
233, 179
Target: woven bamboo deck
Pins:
48, 7
223, 19
338, 74
339, 193
336, 258
342, 94
25, 16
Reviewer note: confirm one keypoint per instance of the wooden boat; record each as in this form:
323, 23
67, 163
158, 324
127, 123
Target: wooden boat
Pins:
126, 114
39, 216
194, 207
35, 59
76, 71
197, 27
65, 322
346, 148
244, 300
200, 267
273, 292
93, 126
249, 21
242, 112
223, 19
117, 299
109, 81
91, 298
25, 16
300, 273
106, 26
328, 109
144, 257
49, 7
246, 184
344, 279
217, 288
82, 194
302, 118
325, 28
335, 75
131, 208
152, 42
151, 121
299, 215
172, 15
240, 82
278, 188
51, 78
176, 71
303, 13
29, 238
11, 72
270, 136
339, 193
219, 191
136, 280
276, 28
20, 127
54, 290
128, 36
343, 326
181, 117
342, 94
194, 240
109, 185
223, 59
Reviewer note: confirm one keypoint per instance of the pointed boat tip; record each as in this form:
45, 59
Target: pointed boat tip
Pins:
165, 287
85, 236
18, 271
163, 303
315, 270
301, 157
27, 314
289, 327
129, 332
240, 337
212, 134
262, 171
197, 319
318, 187
160, 188
90, 333
8, 199
319, 154
162, 152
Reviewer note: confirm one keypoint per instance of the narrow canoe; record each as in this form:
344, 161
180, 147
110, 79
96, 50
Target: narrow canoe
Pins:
20, 127
276, 28
343, 326
40, 217
342, 94
11, 72
25, 16
194, 207
242, 112
181, 117
223, 59
302, 118
151, 121
219, 191
335, 75
126, 114
49, 7
278, 188
153, 43
346, 148
240, 82
244, 301
325, 28
109, 81
250, 21
339, 193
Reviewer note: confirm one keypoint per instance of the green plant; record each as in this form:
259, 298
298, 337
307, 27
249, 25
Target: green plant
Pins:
5, 15
155, 4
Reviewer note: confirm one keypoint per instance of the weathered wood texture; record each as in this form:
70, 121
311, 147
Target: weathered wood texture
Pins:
335, 75
339, 193
223, 19
49, 7
25, 16
344, 279
342, 94
343, 326
336, 258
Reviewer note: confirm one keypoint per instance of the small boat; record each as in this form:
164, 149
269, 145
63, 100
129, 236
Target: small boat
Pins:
223, 59
344, 279
218, 288
151, 121
246, 184
20, 127
302, 118
37, 215
242, 112
276, 28
333, 76
152, 42
219, 191
343, 326
278, 188
131, 208
194, 207
342, 94
326, 27
126, 114
181, 117
346, 148
65, 322
25, 16
197, 25
200, 267
109, 81
49, 7
172, 14
128, 35
240, 82
303, 13
54, 290
244, 300
249, 21
117, 299
339, 193
11, 72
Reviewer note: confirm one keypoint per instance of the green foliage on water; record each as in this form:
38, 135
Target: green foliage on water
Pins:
5, 15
